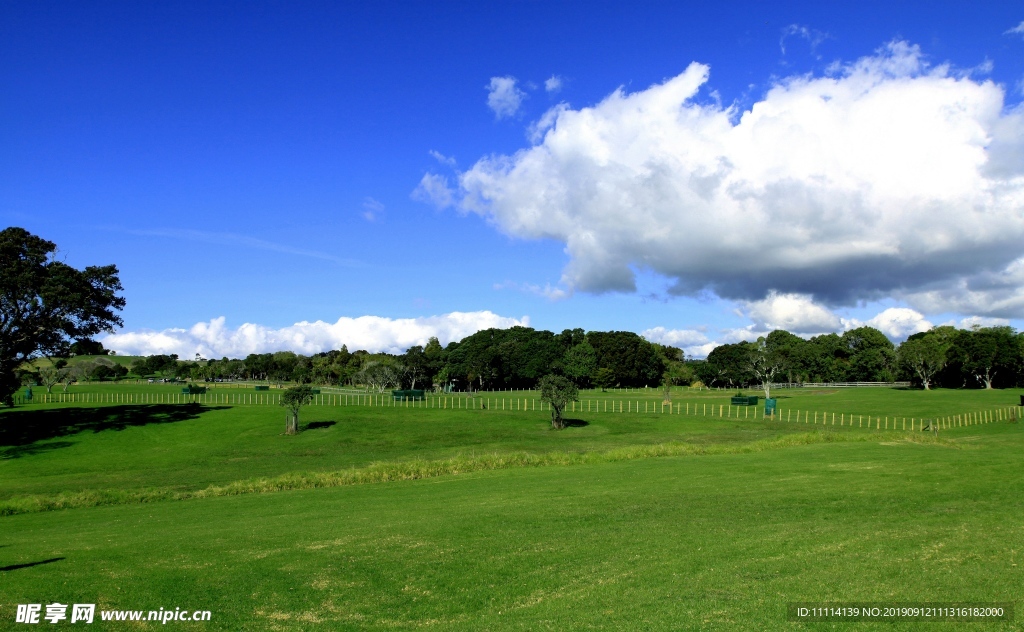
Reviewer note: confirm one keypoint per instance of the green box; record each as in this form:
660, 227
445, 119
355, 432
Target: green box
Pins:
744, 400
262, 388
411, 395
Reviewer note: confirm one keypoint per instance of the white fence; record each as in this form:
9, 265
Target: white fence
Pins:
839, 384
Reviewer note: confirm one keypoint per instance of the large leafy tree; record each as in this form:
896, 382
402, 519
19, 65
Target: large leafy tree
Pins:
727, 365
872, 356
580, 362
924, 355
988, 355
635, 361
47, 305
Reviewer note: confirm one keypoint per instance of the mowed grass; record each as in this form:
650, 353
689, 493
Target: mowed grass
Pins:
48, 449
674, 543
755, 514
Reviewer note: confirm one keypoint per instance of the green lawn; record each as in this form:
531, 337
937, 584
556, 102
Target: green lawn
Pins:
721, 540
50, 449
712, 542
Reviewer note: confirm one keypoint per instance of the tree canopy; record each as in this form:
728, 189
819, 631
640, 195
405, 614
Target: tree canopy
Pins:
46, 305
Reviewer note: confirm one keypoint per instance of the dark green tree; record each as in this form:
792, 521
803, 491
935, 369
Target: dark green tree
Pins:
633, 360
46, 304
604, 378
580, 362
728, 365
988, 356
872, 356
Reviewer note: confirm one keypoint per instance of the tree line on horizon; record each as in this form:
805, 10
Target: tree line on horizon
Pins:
978, 357
518, 357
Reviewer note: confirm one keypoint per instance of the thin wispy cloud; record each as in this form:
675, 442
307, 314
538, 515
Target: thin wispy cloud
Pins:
548, 291
1017, 30
372, 209
814, 37
441, 158
245, 241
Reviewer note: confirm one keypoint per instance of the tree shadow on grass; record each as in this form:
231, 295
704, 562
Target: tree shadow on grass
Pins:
19, 429
14, 567
575, 423
18, 451
319, 424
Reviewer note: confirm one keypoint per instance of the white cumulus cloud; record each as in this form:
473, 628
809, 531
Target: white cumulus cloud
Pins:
693, 342
553, 83
796, 313
886, 177
214, 339
504, 97
896, 323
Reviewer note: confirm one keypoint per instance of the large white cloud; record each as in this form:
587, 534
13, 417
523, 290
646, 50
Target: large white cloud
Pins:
886, 177
373, 333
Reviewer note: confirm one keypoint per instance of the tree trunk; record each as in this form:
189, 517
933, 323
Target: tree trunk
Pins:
291, 426
557, 422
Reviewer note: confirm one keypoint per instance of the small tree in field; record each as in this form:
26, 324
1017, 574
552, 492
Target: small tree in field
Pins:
293, 399
49, 376
557, 391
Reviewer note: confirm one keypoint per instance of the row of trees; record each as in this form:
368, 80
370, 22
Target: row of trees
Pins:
519, 357
980, 357
490, 359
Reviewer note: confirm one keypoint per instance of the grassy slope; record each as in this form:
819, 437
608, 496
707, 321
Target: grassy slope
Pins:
46, 449
709, 542
189, 448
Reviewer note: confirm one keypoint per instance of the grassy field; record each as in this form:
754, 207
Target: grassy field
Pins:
732, 519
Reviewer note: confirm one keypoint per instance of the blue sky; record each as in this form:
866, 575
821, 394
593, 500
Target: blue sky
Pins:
264, 163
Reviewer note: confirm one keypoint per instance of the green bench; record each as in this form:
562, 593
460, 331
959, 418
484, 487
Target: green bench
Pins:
409, 395
744, 400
